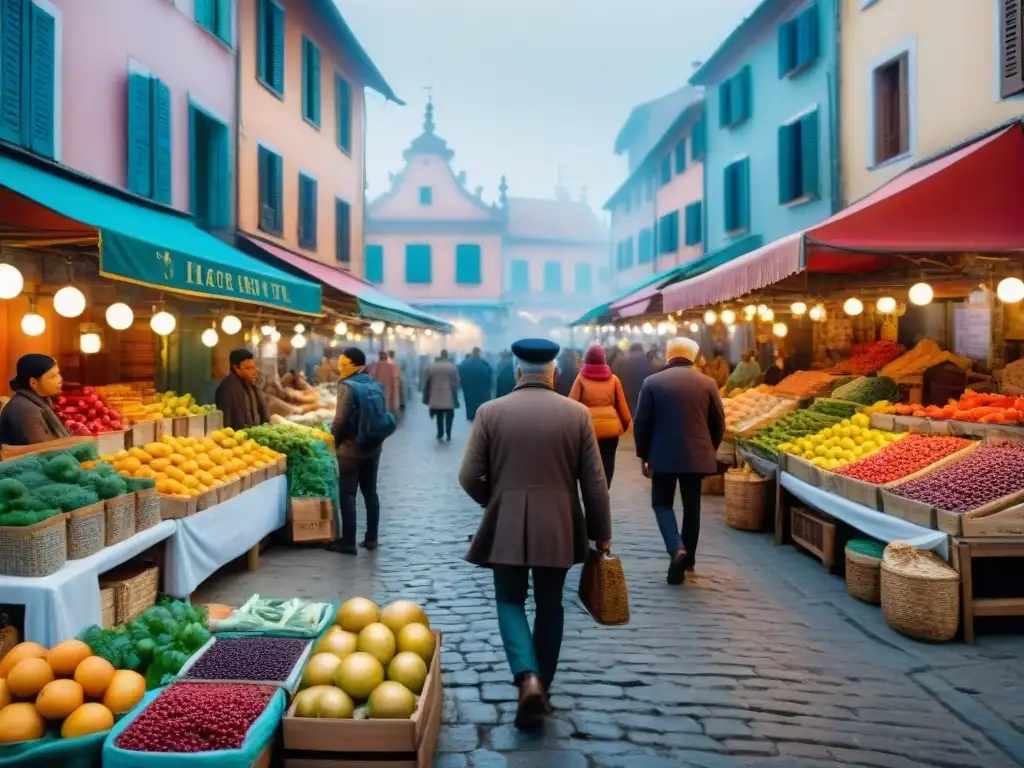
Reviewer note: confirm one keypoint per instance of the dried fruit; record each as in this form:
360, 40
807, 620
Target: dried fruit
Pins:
988, 473
248, 658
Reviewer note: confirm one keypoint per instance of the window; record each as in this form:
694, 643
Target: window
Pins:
149, 137
417, 264
891, 114
645, 246
697, 138
665, 170
552, 277
270, 45
271, 172
310, 82
798, 159
343, 95
30, 39
693, 223
307, 212
737, 196
209, 169
799, 42
681, 156
582, 279
215, 17
734, 99
668, 233
603, 275
520, 276
426, 196
624, 254
374, 255
648, 188
467, 264
343, 232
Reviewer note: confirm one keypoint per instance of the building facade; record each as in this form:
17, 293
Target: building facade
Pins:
915, 82
771, 100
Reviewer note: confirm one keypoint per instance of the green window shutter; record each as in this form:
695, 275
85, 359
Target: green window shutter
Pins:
788, 136
42, 76
697, 139
693, 223
205, 14
725, 104
739, 95
270, 39
681, 156
307, 212
743, 184
266, 213
344, 102
278, 191
343, 232
628, 259
665, 171
160, 123
582, 280
808, 37
222, 20
809, 164
645, 246
787, 48
220, 180
140, 139
310, 81
13, 36
417, 264
374, 257
730, 198
552, 277
520, 276
262, 41
467, 265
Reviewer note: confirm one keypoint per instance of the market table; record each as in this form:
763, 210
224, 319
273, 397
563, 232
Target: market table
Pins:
64, 603
207, 541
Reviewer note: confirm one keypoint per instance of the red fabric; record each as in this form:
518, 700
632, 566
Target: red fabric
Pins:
595, 354
596, 372
335, 278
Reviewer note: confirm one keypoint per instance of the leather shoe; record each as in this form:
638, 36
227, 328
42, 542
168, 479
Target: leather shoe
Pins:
533, 702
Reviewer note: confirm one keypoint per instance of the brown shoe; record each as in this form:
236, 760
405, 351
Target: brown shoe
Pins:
533, 702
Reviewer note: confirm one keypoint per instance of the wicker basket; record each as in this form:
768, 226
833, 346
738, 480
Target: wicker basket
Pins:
603, 588
107, 608
713, 485
745, 497
135, 590
120, 515
147, 509
863, 575
35, 550
920, 593
85, 531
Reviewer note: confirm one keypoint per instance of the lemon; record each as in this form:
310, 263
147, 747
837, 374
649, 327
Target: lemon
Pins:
820, 450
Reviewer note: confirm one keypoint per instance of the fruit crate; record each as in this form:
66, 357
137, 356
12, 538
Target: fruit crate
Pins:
290, 684
814, 533
135, 590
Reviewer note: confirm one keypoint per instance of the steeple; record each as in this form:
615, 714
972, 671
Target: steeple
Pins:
503, 192
428, 117
428, 142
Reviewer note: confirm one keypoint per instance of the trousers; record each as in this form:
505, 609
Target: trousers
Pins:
607, 446
444, 423
358, 475
537, 651
663, 494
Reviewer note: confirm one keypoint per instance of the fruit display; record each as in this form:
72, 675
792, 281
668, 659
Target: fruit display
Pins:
185, 467
925, 354
128, 398
369, 664
315, 429
805, 384
168, 405
1012, 378
84, 411
288, 401
295, 616
901, 458
980, 407
754, 408
65, 690
157, 644
836, 446
808, 421
269, 659
312, 465
867, 358
986, 474
866, 390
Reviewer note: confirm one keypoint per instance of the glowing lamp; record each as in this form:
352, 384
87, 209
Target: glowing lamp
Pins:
11, 281
120, 316
377, 327
90, 343
163, 323
69, 302
33, 324
298, 341
886, 305
768, 315
853, 306
230, 325
209, 337
817, 313
780, 330
341, 328
728, 316
710, 317
921, 294
798, 308
1010, 290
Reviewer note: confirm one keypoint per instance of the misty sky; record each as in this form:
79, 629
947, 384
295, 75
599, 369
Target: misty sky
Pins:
524, 86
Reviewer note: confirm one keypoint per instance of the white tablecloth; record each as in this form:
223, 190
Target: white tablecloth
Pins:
211, 539
61, 605
876, 524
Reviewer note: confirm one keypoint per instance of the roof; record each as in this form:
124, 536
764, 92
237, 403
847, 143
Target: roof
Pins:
428, 142
740, 39
648, 122
372, 76
570, 221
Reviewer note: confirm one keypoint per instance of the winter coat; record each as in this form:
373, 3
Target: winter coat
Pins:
477, 379
567, 372
633, 370
606, 402
24, 421
387, 374
504, 378
441, 386
242, 403
345, 428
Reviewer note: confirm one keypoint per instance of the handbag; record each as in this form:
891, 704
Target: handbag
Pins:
603, 588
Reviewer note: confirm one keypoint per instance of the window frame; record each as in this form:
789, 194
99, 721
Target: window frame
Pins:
513, 268
377, 249
430, 263
796, 122
230, 7
344, 128
195, 107
262, 12
308, 240
278, 230
908, 48
698, 206
341, 204
553, 267
582, 268
312, 100
741, 228
426, 199
476, 254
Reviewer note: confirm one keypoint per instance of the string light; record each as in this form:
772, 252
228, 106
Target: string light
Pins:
780, 330
710, 317
120, 316
11, 281
1010, 290
33, 324
210, 337
921, 294
728, 316
69, 302
817, 313
90, 343
341, 328
163, 323
798, 308
230, 325
886, 305
853, 306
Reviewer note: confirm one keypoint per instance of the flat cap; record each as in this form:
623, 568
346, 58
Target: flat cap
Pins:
536, 351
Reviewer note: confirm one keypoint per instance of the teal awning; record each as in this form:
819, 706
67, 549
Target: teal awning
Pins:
603, 311
157, 248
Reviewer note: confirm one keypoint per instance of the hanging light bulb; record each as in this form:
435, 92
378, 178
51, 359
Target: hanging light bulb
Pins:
300, 328
341, 328
11, 281
853, 306
728, 316
333, 344
750, 310
230, 325
90, 343
377, 327
768, 315
275, 336
120, 316
817, 313
886, 305
163, 323
694, 327
209, 337
761, 310
428, 332
648, 328
798, 308
266, 330
298, 341
921, 294
255, 339
780, 330
710, 317
33, 324
69, 302
1010, 290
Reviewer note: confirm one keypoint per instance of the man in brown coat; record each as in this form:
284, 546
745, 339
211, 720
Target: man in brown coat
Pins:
529, 458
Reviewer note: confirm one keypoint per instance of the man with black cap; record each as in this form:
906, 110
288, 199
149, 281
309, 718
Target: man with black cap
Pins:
529, 458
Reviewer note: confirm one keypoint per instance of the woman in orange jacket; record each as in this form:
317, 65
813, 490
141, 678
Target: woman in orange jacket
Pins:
601, 391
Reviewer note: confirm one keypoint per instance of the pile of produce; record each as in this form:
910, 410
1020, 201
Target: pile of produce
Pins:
1012, 378
805, 384
294, 397
981, 407
314, 429
128, 398
809, 421
753, 408
169, 405
196, 717
157, 644
983, 476
868, 357
923, 356
902, 458
312, 465
269, 659
866, 390
185, 467
65, 689
282, 617
370, 664
84, 412
836, 446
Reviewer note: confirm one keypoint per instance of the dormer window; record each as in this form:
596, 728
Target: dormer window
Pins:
426, 196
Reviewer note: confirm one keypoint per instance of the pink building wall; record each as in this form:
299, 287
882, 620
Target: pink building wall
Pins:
450, 200
99, 39
442, 267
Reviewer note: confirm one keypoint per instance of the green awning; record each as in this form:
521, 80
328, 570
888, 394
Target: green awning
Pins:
157, 248
604, 310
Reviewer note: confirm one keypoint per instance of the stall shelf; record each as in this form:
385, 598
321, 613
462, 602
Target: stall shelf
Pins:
969, 549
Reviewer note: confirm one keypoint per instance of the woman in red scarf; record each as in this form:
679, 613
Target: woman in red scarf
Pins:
601, 391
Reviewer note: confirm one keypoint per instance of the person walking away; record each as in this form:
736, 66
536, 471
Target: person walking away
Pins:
476, 376
601, 391
718, 368
403, 380
678, 427
385, 373
568, 369
634, 368
361, 425
529, 459
239, 396
29, 419
505, 375
654, 357
441, 394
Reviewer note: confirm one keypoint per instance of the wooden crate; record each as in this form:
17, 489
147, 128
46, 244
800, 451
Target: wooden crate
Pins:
195, 426
310, 520
142, 433
175, 509
814, 533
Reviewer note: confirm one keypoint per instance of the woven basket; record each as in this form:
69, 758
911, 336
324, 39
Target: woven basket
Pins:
120, 515
107, 608
920, 593
863, 574
85, 531
603, 588
135, 590
713, 485
147, 509
745, 497
34, 550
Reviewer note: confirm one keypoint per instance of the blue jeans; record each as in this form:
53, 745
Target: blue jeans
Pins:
527, 652
663, 495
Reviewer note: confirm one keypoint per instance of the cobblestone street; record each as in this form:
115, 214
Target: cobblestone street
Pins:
760, 659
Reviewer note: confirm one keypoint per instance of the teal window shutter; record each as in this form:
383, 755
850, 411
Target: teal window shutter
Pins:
42, 75
697, 140
743, 184
270, 45
809, 163
787, 48
140, 139
467, 264
13, 35
222, 20
582, 279
417, 264
739, 94
552, 277
693, 223
221, 181
520, 276
270, 181
725, 100
343, 94
681, 156
645, 246
665, 171
426, 196
788, 148
310, 82
205, 14
374, 258
627, 261
262, 41
808, 37
307, 211
160, 123
735, 204
343, 231
277, 177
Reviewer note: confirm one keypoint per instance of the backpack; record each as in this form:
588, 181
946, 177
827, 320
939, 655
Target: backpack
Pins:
374, 423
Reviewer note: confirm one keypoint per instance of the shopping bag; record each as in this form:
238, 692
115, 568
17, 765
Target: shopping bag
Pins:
603, 588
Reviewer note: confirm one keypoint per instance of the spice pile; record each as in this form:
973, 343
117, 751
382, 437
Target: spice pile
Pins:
867, 358
248, 658
903, 458
805, 384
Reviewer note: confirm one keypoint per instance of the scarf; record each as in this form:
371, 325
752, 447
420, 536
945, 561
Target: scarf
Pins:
52, 422
346, 368
596, 371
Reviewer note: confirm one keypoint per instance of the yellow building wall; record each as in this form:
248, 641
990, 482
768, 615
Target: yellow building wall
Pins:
954, 80
279, 125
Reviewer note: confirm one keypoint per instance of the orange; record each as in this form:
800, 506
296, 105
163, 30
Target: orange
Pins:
65, 657
126, 689
88, 718
24, 650
59, 699
28, 677
20, 722
94, 675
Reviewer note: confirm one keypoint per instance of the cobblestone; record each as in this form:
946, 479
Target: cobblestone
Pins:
760, 659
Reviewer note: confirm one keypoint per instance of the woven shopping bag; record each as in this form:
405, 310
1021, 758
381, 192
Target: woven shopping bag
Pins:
603, 588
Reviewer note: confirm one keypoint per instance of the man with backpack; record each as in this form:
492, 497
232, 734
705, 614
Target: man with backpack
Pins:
361, 425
